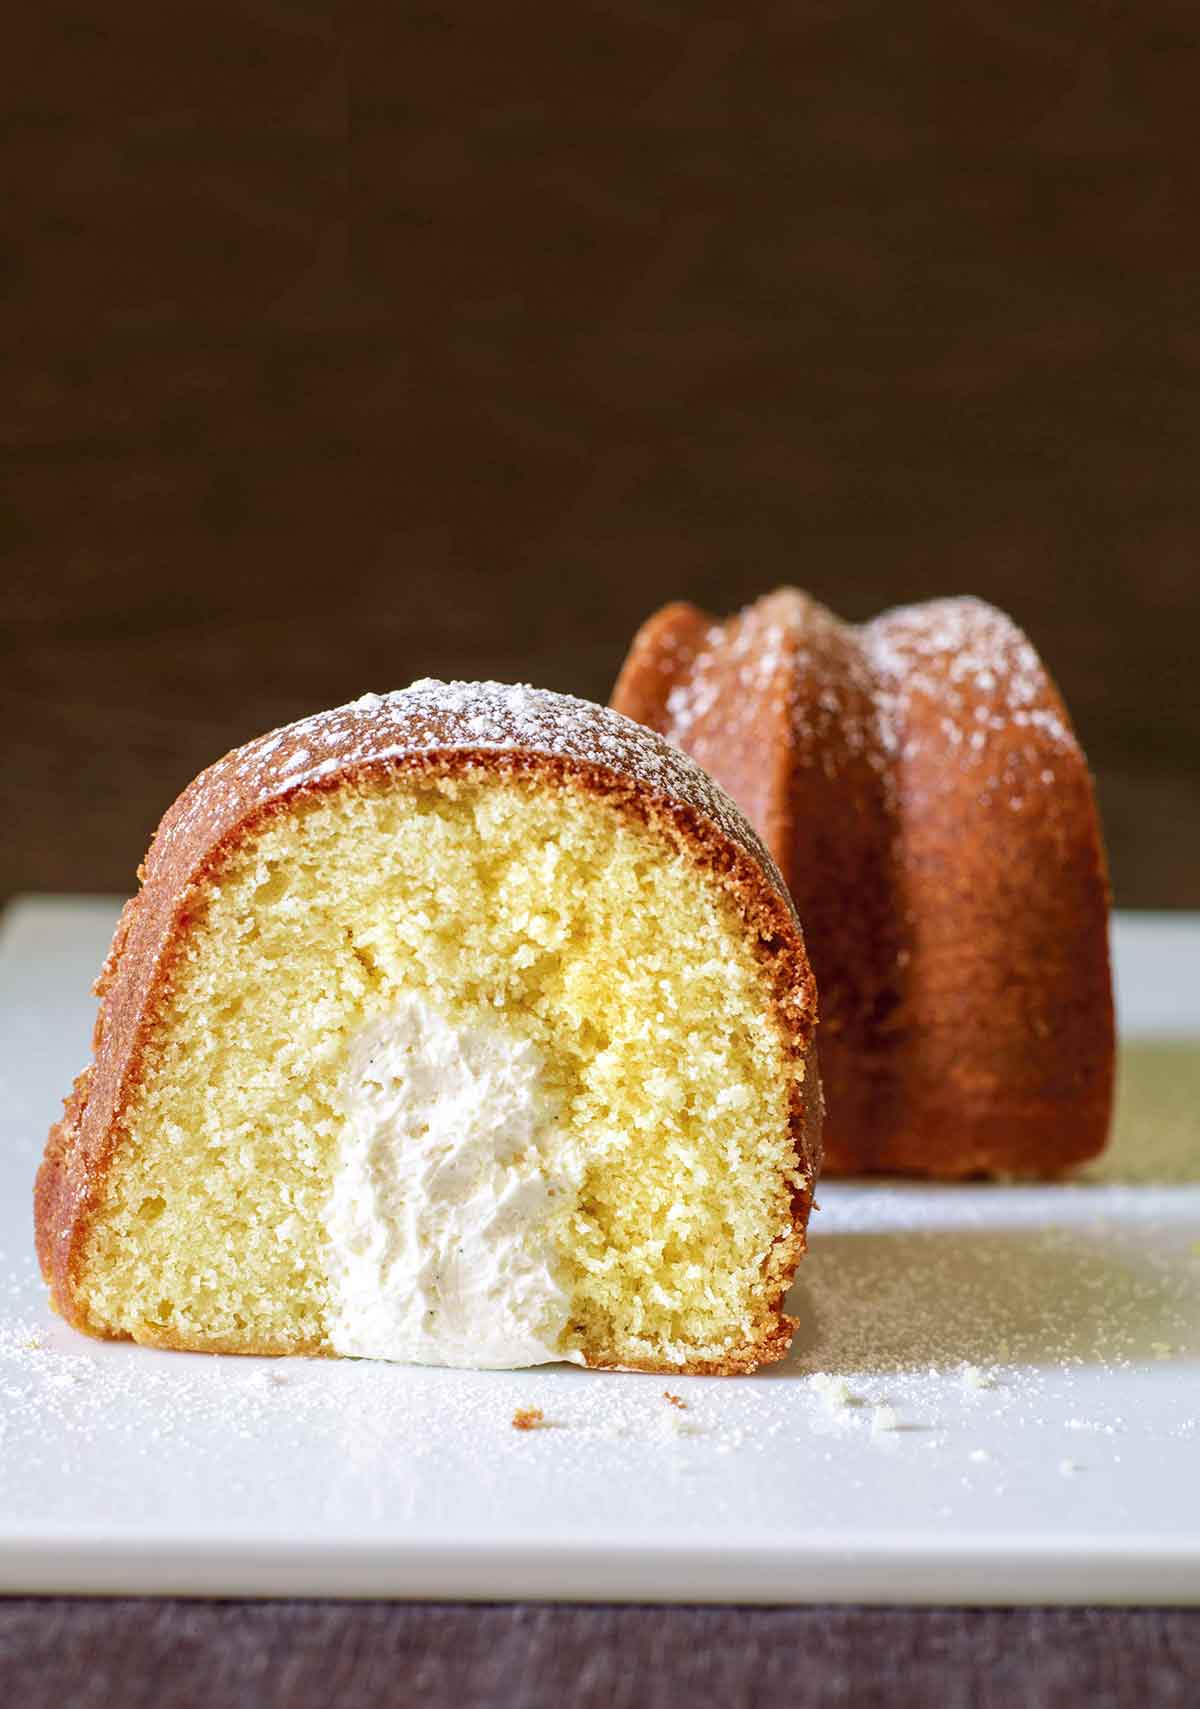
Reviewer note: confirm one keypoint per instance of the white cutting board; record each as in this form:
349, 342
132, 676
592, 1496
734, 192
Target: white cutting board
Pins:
873, 1465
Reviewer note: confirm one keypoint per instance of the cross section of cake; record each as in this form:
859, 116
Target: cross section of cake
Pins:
464, 1025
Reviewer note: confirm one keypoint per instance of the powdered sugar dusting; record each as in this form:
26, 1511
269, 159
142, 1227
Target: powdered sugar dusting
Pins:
952, 677
741, 664
958, 674
461, 717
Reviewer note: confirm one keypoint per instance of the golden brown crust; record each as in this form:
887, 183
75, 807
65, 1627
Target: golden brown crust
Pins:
436, 729
528, 1418
919, 784
770, 1344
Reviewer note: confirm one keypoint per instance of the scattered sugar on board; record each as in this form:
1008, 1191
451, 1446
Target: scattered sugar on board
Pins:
941, 1309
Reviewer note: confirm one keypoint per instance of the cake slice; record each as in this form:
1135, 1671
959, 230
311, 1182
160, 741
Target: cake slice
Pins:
465, 1025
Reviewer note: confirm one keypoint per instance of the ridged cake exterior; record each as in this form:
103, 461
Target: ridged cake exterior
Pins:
920, 786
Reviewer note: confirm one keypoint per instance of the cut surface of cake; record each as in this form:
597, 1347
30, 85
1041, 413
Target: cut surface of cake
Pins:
465, 1025
919, 783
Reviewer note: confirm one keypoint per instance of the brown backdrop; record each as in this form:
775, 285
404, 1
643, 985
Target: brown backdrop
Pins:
453, 339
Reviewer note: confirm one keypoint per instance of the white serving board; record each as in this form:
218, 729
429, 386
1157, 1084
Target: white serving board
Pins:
1072, 1476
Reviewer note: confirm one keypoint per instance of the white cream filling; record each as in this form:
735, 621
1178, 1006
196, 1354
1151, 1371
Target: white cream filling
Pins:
453, 1160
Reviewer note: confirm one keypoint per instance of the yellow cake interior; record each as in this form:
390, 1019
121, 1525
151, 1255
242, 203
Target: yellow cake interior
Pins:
540, 910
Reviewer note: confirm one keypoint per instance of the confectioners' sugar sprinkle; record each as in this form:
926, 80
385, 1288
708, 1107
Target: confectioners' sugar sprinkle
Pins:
789, 654
972, 663
849, 694
439, 717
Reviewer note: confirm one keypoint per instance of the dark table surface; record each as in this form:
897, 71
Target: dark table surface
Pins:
178, 1655
346, 345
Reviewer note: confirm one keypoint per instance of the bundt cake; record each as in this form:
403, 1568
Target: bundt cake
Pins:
918, 781
465, 1025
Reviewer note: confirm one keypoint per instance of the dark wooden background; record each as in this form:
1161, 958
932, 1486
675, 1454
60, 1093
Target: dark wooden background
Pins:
348, 346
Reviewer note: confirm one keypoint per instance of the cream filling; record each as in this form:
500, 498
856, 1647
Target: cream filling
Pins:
455, 1159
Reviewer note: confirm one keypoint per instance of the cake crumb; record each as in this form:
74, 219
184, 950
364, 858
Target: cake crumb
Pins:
972, 1377
674, 1400
268, 1379
528, 1418
834, 1391
668, 1426
885, 1418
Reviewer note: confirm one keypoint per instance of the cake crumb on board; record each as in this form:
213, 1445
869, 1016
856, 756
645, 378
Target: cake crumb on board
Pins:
833, 1390
528, 1418
675, 1400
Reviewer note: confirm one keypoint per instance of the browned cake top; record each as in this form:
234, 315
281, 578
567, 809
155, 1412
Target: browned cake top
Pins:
969, 659
487, 719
